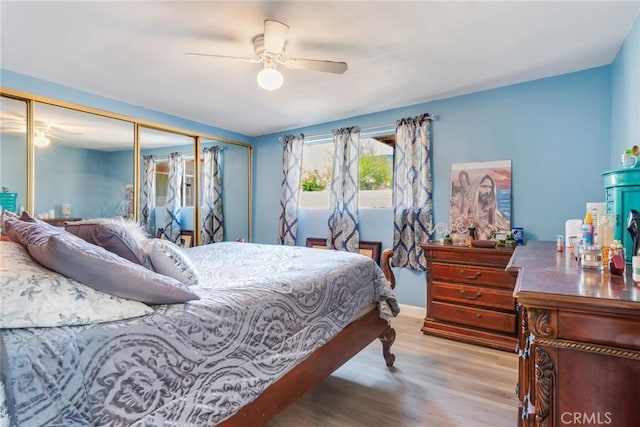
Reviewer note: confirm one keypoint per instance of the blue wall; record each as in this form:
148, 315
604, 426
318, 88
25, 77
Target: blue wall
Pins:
555, 131
625, 111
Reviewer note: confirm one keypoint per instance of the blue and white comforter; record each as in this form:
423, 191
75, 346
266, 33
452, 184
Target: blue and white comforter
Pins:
263, 309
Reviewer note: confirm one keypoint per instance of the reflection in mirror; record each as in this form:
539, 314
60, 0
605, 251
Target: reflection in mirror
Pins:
13, 154
83, 165
234, 183
167, 185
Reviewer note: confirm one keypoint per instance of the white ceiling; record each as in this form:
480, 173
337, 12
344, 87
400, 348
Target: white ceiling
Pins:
399, 53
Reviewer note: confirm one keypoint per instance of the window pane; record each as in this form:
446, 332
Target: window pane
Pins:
316, 175
376, 174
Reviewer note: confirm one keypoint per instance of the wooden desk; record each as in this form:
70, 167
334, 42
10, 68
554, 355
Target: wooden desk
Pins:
579, 341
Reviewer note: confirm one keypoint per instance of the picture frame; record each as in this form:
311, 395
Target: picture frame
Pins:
370, 249
186, 237
480, 197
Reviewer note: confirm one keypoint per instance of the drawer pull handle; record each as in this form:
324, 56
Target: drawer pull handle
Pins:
475, 276
471, 297
479, 315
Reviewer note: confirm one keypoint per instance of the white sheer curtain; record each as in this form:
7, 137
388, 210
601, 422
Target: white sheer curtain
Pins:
412, 191
174, 198
148, 217
343, 218
213, 219
292, 148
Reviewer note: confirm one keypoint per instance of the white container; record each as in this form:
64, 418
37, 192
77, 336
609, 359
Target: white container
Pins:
635, 268
572, 227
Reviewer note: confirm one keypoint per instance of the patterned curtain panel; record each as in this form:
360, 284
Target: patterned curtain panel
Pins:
343, 219
148, 217
213, 221
290, 190
174, 198
412, 192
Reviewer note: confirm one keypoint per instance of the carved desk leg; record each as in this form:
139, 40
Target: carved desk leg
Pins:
387, 338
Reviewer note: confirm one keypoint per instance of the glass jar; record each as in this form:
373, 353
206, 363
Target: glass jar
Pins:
591, 257
617, 258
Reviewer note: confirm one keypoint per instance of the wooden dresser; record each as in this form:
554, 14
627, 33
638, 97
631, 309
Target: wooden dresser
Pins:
59, 222
470, 295
579, 342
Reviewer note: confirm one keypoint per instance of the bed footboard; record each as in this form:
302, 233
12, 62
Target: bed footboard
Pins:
321, 363
386, 267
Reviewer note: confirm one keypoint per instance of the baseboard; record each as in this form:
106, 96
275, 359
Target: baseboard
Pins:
412, 311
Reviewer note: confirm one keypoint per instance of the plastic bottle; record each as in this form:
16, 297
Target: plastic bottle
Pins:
605, 231
587, 230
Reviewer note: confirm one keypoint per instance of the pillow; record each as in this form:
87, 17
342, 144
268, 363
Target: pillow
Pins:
105, 271
26, 232
34, 296
120, 236
169, 259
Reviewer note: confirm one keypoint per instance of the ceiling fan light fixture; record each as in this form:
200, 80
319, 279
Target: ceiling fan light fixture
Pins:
40, 139
269, 78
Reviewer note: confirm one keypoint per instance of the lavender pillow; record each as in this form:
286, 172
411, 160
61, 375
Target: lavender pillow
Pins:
28, 231
107, 272
122, 237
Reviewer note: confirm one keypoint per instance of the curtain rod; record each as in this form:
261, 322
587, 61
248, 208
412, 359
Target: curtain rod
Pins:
368, 131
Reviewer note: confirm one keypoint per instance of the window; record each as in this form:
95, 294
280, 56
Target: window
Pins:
162, 183
376, 173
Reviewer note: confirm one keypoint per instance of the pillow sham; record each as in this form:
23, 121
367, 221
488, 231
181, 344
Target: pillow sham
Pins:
34, 296
106, 271
120, 236
169, 259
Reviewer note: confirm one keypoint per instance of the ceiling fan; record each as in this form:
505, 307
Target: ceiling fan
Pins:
43, 132
269, 49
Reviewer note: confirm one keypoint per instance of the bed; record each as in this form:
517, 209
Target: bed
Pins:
267, 324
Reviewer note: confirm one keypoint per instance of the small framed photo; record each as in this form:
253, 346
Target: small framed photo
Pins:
370, 249
186, 237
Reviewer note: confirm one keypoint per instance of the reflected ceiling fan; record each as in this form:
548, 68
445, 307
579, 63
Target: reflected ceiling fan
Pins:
269, 49
43, 132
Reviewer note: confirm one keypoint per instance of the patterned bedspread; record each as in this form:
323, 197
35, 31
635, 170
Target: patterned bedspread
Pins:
263, 309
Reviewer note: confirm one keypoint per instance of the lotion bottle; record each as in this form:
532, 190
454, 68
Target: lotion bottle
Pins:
587, 230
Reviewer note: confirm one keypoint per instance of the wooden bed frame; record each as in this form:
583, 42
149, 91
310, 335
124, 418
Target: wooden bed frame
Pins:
321, 363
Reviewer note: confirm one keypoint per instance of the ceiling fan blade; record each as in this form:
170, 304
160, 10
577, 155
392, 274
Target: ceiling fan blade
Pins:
316, 65
275, 36
238, 58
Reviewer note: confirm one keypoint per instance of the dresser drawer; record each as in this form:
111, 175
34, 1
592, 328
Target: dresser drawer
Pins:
479, 296
471, 275
476, 317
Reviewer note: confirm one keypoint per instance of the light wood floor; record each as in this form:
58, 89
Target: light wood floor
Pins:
435, 382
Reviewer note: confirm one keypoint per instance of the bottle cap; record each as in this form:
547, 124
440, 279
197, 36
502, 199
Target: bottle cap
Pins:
588, 219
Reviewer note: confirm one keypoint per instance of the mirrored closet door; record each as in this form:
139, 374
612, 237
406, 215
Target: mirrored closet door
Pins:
168, 185
224, 199
13, 154
83, 165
